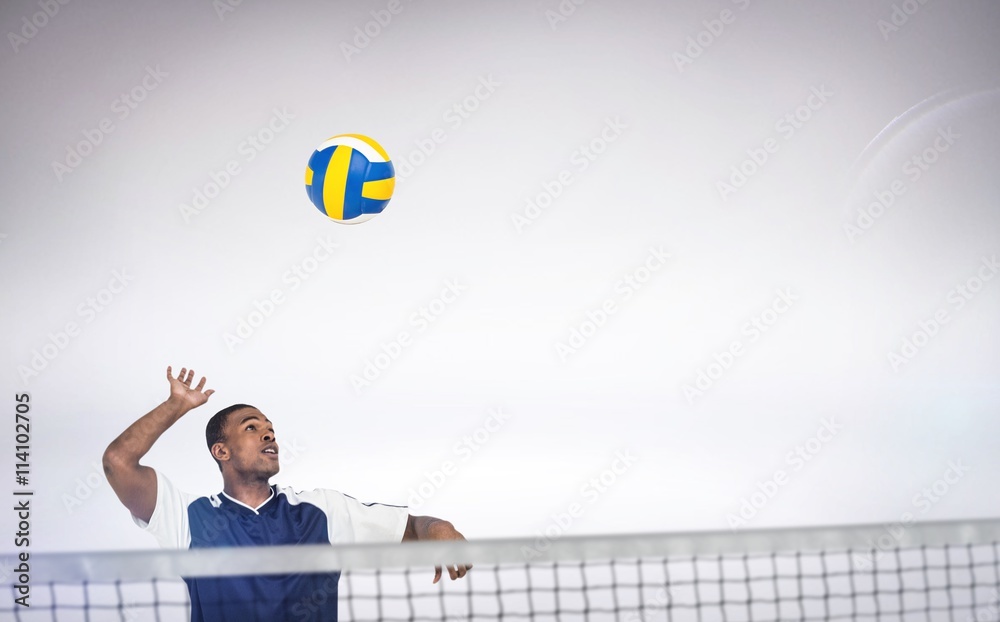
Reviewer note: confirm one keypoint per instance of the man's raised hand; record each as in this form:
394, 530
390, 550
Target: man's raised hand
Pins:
181, 392
134, 483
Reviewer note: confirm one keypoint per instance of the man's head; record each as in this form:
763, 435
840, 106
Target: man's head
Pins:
242, 442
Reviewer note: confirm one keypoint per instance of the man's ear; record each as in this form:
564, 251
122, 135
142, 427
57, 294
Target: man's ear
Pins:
220, 452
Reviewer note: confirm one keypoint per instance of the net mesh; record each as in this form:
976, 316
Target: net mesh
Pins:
931, 582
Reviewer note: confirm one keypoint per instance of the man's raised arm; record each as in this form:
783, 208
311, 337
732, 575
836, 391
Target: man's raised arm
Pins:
134, 483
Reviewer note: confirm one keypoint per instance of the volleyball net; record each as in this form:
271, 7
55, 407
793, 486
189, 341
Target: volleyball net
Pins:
927, 571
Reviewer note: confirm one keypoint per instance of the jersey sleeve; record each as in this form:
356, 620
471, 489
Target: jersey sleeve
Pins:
169, 522
352, 522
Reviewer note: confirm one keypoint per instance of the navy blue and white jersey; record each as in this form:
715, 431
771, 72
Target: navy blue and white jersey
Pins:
184, 521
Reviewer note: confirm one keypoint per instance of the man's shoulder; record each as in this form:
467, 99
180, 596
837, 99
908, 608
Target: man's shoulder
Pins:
295, 495
166, 486
328, 498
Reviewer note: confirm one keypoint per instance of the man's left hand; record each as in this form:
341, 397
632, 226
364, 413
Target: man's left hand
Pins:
430, 528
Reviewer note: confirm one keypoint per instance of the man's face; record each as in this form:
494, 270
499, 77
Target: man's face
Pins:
250, 443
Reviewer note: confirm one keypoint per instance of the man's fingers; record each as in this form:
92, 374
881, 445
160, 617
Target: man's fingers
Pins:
458, 571
455, 572
186, 376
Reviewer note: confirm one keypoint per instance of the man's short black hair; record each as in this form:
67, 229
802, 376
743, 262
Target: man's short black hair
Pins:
215, 431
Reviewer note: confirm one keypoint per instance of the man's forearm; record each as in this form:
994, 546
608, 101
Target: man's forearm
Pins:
428, 528
132, 444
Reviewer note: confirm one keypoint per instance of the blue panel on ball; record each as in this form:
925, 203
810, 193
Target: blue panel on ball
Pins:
356, 177
373, 206
319, 162
381, 170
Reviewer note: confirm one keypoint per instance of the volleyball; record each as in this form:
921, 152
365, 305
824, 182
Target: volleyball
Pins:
350, 178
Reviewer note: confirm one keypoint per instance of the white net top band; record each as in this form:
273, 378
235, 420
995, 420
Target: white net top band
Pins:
170, 564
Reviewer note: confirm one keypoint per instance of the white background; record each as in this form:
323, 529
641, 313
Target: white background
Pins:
687, 124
